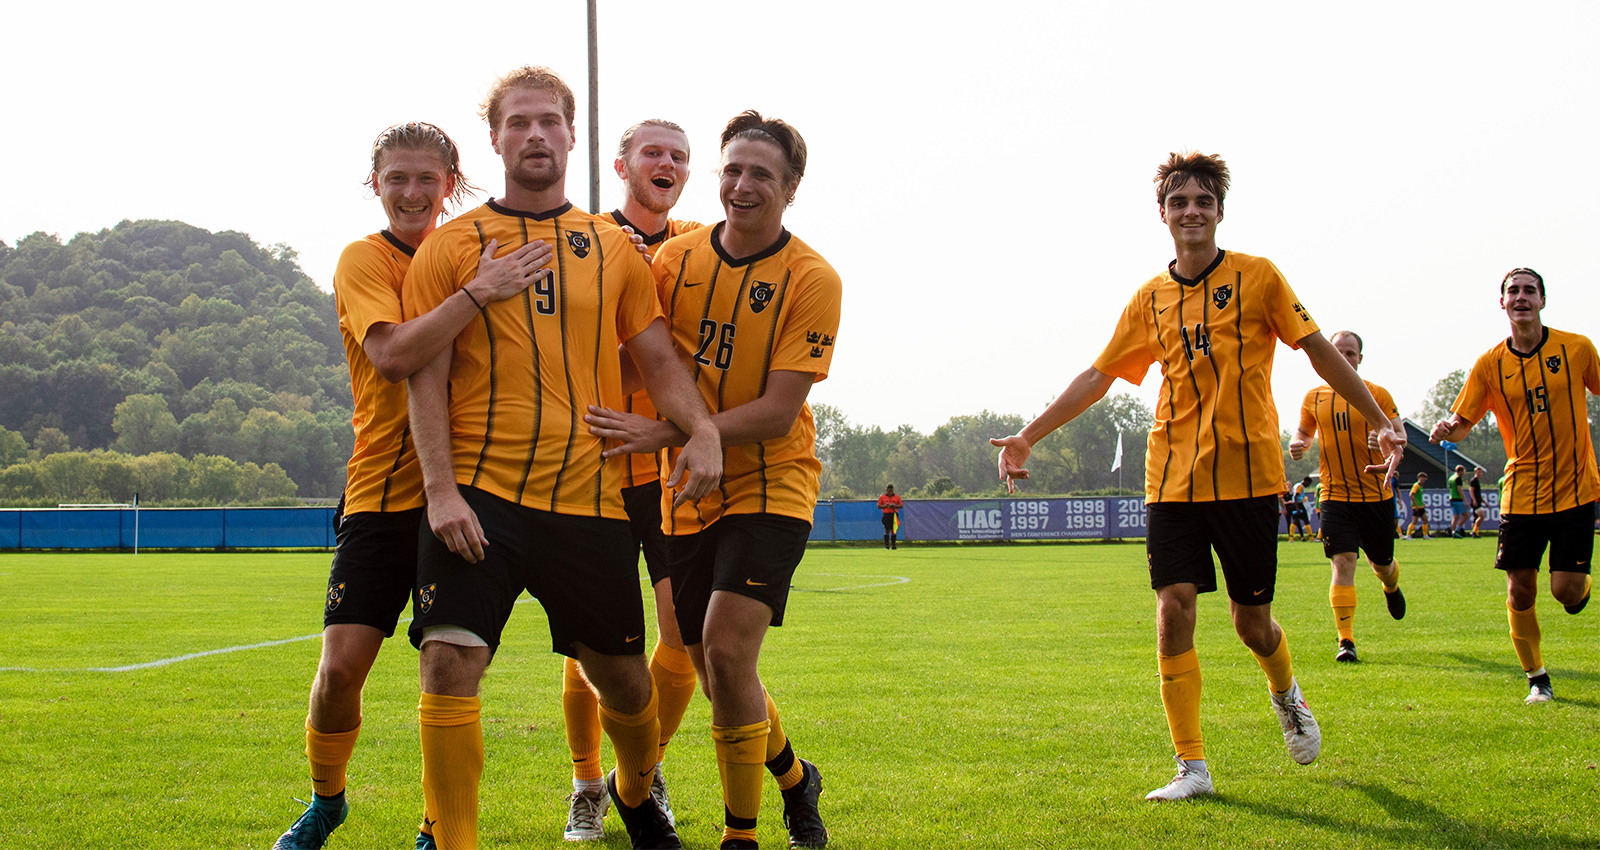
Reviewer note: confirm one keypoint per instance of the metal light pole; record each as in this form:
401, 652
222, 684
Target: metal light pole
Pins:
594, 111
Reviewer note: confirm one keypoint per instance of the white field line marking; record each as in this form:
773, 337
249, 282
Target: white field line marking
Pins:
175, 659
897, 580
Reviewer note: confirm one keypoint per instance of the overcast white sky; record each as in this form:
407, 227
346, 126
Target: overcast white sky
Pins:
979, 173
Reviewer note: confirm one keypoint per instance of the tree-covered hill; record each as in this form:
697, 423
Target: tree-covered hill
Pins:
157, 336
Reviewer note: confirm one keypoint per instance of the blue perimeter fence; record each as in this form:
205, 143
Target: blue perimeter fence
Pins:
1090, 518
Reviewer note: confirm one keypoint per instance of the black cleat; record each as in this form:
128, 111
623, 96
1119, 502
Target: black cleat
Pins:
739, 844
800, 812
1347, 652
1396, 602
647, 824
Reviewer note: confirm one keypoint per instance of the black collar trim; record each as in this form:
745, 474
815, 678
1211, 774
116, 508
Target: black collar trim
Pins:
716, 242
537, 216
1172, 269
395, 241
653, 239
1543, 338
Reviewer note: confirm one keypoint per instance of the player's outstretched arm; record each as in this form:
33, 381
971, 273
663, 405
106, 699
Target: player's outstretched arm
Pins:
675, 395
1334, 369
1453, 429
451, 520
399, 350
1086, 389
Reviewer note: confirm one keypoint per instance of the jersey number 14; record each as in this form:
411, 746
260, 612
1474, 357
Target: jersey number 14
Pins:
1201, 341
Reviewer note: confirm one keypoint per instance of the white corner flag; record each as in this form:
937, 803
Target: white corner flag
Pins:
1117, 463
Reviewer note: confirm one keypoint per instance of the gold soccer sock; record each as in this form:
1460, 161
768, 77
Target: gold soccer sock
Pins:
1525, 637
781, 762
673, 674
741, 751
1278, 666
581, 708
1180, 696
452, 764
1392, 583
635, 738
1343, 599
1476, 522
329, 752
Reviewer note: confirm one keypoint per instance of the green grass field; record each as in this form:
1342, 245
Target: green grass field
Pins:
1000, 696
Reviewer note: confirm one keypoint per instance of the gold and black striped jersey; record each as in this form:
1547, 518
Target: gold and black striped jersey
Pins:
383, 474
1216, 432
1343, 443
523, 374
736, 321
1539, 404
645, 468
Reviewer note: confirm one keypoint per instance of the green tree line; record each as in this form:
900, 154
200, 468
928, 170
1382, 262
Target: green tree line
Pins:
160, 339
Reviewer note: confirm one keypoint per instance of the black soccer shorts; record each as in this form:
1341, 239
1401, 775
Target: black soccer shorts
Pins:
643, 504
1244, 533
1369, 526
1568, 533
583, 570
753, 555
374, 568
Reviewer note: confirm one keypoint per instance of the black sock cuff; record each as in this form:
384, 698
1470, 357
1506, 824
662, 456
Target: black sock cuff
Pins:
783, 762
736, 823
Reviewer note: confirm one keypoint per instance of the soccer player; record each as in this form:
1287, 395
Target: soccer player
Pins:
1534, 381
416, 169
519, 496
653, 162
1297, 510
1357, 506
1419, 511
890, 504
756, 312
1214, 469
1458, 503
1480, 509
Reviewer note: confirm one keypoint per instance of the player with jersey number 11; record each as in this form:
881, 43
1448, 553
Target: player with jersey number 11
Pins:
1214, 470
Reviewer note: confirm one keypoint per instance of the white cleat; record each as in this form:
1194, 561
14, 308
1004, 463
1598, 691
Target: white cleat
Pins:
586, 818
1192, 780
1300, 731
658, 795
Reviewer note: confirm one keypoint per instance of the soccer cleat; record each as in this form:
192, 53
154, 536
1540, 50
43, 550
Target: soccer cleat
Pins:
1539, 689
739, 844
800, 812
647, 825
425, 842
586, 817
1347, 652
311, 829
658, 795
1396, 603
1191, 781
1300, 732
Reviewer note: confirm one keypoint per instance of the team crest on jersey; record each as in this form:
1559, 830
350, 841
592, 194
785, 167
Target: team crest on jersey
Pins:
335, 595
579, 243
1221, 295
760, 295
1554, 362
425, 598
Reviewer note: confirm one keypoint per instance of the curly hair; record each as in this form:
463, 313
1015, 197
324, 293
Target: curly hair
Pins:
1207, 169
527, 77
421, 136
750, 125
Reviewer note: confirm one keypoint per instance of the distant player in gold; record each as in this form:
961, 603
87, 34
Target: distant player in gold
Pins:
1419, 511
1214, 471
1535, 381
1357, 502
416, 168
653, 162
1480, 508
755, 313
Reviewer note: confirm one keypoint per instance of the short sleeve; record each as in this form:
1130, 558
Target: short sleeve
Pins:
1591, 368
1385, 402
1473, 401
1287, 317
1308, 414
363, 290
1128, 355
638, 305
435, 275
805, 343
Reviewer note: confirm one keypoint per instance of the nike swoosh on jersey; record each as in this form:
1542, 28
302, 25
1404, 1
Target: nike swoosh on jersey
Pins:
1163, 310
687, 285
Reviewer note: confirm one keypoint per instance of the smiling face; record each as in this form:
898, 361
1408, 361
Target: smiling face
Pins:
1191, 213
413, 185
533, 139
656, 167
1522, 299
755, 186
